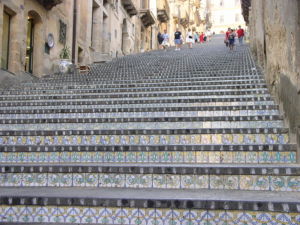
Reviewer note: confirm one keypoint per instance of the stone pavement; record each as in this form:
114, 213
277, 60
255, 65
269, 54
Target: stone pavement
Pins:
164, 138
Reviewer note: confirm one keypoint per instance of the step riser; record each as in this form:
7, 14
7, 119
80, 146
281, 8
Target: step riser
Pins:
100, 88
162, 81
201, 115
156, 181
191, 157
144, 125
163, 139
136, 90
226, 93
125, 216
228, 100
148, 118
222, 106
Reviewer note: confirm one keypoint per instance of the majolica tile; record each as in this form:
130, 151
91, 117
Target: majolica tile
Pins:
189, 157
231, 182
216, 182
159, 181
278, 183
252, 157
66, 180
187, 181
239, 157
131, 157
78, 179
293, 183
132, 180
173, 181
201, 181
217, 217
177, 156
214, 157
202, 157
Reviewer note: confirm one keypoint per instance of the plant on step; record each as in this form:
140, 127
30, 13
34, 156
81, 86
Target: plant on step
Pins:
65, 53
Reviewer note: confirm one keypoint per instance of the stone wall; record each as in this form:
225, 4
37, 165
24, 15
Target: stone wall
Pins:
275, 42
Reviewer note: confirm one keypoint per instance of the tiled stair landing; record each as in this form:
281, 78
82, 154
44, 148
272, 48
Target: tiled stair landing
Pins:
153, 139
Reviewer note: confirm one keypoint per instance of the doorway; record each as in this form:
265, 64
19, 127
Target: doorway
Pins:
124, 44
29, 46
5, 41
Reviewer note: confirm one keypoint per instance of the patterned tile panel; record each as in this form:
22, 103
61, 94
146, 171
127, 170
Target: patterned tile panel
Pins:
138, 216
102, 140
150, 157
169, 181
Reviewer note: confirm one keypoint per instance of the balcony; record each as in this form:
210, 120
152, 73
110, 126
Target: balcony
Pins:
163, 10
146, 14
246, 4
49, 4
130, 7
184, 19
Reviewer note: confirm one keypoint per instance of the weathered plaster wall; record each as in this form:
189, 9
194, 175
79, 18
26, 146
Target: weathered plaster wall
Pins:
275, 41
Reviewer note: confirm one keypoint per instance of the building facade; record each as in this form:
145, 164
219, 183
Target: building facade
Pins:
34, 32
185, 15
222, 14
274, 27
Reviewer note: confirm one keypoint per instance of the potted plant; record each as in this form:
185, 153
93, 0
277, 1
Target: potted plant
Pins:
65, 63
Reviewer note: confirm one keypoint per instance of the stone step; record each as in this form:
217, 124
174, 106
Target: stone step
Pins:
134, 83
233, 107
146, 75
236, 115
142, 206
113, 95
137, 77
143, 125
177, 131
136, 90
151, 148
98, 88
158, 176
191, 154
131, 82
99, 119
233, 101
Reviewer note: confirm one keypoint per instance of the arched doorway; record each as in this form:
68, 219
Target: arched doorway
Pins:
34, 44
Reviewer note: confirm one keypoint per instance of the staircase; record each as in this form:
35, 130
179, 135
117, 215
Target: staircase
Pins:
161, 138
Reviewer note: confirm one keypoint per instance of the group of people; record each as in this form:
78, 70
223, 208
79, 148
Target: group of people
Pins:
191, 38
230, 36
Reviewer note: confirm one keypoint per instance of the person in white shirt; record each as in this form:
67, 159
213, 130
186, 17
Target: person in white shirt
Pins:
166, 39
208, 35
190, 38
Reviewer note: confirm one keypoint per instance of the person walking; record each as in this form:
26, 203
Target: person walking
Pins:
226, 41
189, 38
166, 38
240, 33
202, 38
160, 40
196, 37
231, 38
177, 40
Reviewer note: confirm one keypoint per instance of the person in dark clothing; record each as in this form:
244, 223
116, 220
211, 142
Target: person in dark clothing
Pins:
177, 39
160, 39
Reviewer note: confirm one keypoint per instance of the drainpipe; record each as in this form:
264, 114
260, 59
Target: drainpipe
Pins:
74, 32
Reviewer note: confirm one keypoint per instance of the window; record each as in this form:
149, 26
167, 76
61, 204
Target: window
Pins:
221, 3
237, 18
5, 41
222, 19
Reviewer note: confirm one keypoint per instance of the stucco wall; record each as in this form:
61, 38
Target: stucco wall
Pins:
275, 41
